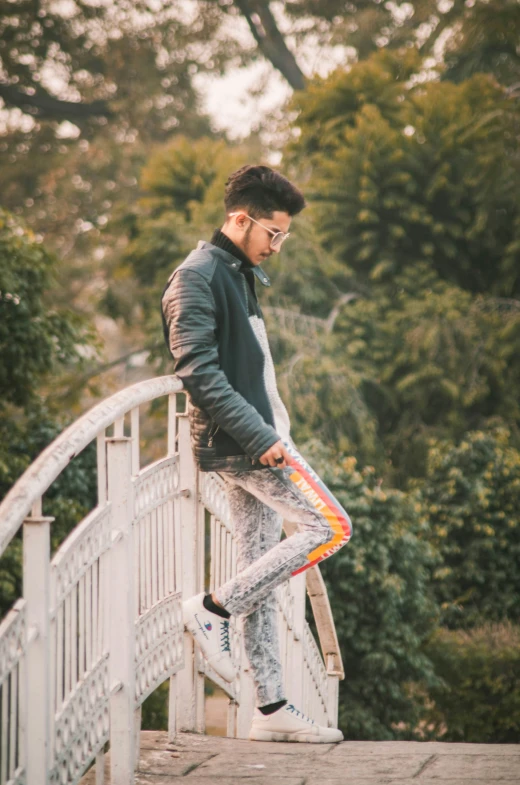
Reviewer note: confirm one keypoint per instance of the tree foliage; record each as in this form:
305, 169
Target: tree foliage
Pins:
403, 174
412, 190
466, 38
485, 41
130, 60
435, 362
35, 337
38, 341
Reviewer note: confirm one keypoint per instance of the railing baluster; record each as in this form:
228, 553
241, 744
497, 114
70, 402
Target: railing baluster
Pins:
119, 428
160, 551
4, 749
134, 429
58, 687
167, 535
172, 423
100, 768
228, 556
66, 647
148, 560
175, 543
81, 628
218, 531
88, 619
212, 561
154, 557
73, 637
223, 548
13, 720
97, 621
141, 537
101, 468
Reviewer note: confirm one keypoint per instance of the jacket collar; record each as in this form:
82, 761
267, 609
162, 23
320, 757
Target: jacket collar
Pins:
233, 262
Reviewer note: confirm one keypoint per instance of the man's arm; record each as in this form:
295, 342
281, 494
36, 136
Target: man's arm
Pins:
189, 310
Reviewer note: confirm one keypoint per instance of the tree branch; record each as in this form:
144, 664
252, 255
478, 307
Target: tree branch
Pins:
270, 40
45, 106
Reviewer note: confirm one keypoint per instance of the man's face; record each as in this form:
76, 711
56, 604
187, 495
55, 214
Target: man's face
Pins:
254, 238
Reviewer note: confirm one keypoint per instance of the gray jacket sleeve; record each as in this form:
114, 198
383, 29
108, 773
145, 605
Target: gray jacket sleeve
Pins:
189, 310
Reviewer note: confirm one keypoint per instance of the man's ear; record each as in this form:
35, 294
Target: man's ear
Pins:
241, 221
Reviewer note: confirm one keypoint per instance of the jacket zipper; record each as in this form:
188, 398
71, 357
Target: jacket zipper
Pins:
245, 284
212, 433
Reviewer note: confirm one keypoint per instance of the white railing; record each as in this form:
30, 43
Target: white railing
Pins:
99, 625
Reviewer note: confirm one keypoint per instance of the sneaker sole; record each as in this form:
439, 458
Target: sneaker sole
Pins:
263, 735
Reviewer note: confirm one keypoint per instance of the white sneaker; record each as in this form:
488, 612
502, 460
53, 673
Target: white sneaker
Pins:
289, 724
211, 632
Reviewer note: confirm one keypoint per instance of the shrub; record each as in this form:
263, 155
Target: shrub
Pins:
382, 607
471, 498
480, 698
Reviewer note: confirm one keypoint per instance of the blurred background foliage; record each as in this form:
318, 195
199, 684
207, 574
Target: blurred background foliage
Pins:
394, 314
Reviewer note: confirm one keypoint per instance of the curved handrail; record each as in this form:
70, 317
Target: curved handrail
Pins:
50, 463
325, 626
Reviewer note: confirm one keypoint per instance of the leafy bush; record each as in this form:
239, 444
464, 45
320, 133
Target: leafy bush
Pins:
471, 497
480, 698
378, 589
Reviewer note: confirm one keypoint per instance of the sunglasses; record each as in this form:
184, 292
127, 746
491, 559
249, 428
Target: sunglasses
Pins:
278, 237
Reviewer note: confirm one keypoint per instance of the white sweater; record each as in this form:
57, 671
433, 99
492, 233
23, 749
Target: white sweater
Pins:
281, 416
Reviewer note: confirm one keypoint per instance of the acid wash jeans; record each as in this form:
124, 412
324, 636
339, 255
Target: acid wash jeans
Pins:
259, 501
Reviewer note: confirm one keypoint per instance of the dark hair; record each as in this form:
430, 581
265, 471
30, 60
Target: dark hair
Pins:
260, 190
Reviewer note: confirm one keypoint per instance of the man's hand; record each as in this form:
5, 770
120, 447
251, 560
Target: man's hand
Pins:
276, 451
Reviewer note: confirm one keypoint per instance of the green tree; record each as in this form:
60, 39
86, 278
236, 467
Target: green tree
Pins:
36, 338
413, 191
477, 37
97, 86
434, 361
403, 174
38, 341
126, 61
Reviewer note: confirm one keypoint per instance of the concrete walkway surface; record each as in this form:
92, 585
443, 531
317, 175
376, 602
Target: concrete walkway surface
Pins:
211, 760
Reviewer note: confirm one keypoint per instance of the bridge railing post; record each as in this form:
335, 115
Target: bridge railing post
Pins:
122, 612
190, 683
37, 710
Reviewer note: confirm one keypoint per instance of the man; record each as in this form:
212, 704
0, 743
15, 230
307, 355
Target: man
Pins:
239, 427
